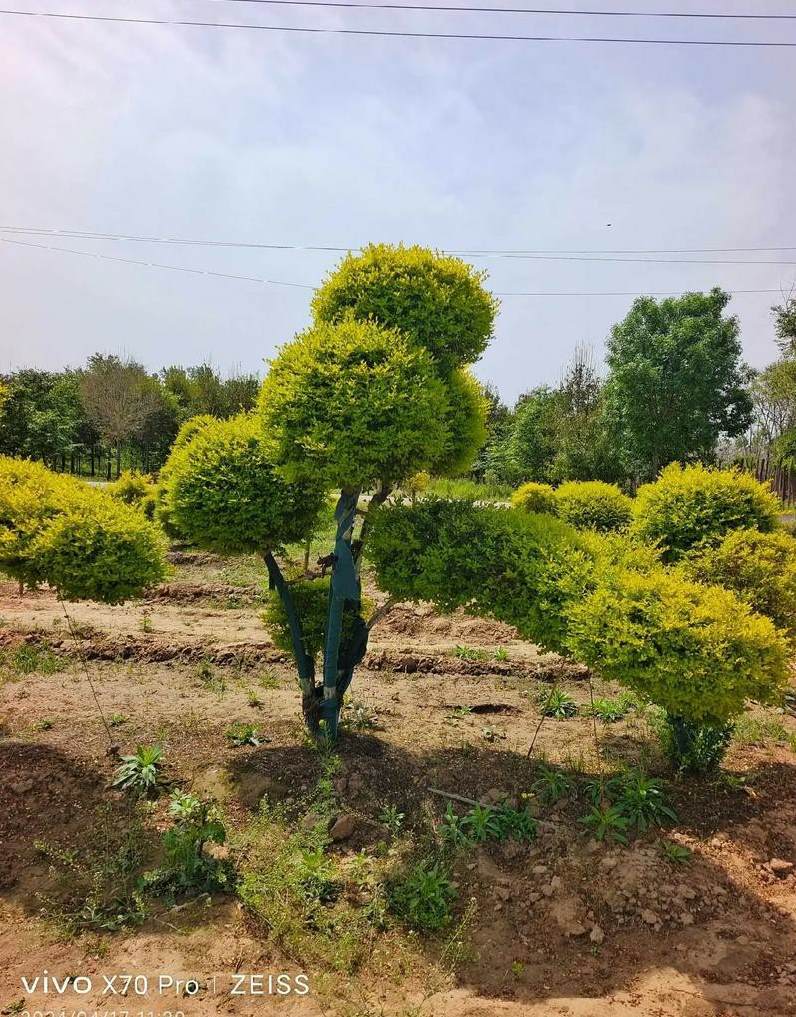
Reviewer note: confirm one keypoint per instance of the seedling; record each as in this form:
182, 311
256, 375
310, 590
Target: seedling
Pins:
146, 622
501, 653
469, 653
240, 734
392, 819
453, 830
559, 705
482, 823
606, 823
254, 700
43, 725
359, 717
117, 719
677, 854
609, 711
141, 772
517, 824
551, 785
491, 735
422, 897
643, 802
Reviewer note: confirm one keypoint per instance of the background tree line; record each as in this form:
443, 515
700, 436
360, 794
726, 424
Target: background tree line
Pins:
675, 388
111, 414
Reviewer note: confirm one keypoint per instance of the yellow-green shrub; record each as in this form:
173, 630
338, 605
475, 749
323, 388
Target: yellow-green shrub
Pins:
593, 505
134, 489
465, 422
759, 567
697, 651
100, 549
533, 497
80, 540
695, 506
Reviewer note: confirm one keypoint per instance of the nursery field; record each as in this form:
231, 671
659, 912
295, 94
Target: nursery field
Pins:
331, 855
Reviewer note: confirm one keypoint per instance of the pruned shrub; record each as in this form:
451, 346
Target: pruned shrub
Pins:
465, 421
697, 651
355, 404
437, 302
84, 543
759, 567
224, 490
134, 488
696, 506
533, 497
593, 505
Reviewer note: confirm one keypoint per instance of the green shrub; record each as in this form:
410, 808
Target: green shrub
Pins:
186, 865
225, 492
100, 549
355, 404
465, 421
533, 497
141, 771
759, 567
593, 505
437, 302
697, 651
695, 748
696, 506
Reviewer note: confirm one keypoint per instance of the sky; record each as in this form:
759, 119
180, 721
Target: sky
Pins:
325, 140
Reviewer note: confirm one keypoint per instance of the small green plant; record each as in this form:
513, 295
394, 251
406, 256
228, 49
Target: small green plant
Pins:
146, 622
31, 659
452, 829
43, 725
422, 896
205, 671
359, 716
269, 680
469, 653
240, 734
694, 748
642, 801
516, 824
501, 653
609, 711
140, 772
490, 734
677, 854
482, 824
117, 719
253, 699
186, 865
559, 705
606, 823
460, 712
392, 818
552, 785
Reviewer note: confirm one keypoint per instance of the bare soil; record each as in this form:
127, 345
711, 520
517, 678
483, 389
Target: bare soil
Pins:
564, 925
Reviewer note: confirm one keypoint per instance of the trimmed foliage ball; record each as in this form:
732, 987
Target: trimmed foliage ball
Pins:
466, 424
697, 651
436, 301
224, 491
355, 404
695, 506
593, 505
100, 549
759, 567
533, 497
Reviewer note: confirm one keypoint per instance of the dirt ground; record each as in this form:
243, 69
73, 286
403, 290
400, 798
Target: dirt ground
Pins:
564, 925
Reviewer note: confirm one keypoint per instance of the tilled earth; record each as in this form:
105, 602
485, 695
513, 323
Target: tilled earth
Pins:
565, 925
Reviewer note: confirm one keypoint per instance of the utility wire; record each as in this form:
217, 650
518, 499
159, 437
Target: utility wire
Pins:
517, 10
588, 256
305, 286
306, 30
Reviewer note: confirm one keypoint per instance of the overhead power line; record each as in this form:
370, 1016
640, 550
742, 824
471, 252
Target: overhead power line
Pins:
307, 30
724, 16
529, 255
305, 286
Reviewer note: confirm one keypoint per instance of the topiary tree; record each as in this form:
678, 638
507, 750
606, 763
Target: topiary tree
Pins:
593, 505
374, 391
83, 542
695, 506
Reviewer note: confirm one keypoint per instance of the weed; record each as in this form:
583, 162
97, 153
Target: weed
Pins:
186, 866
146, 622
559, 705
606, 823
117, 719
609, 711
501, 653
517, 824
269, 680
140, 772
762, 730
392, 819
43, 725
253, 699
422, 896
460, 712
676, 853
240, 734
482, 823
359, 716
642, 801
30, 659
552, 785
491, 735
452, 829
469, 653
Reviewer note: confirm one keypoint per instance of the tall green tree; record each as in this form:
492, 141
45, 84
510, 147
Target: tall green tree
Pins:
41, 416
676, 381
